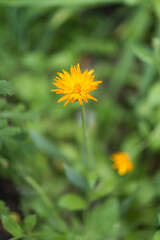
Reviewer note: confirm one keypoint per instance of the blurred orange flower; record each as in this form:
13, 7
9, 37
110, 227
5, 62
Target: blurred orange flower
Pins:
122, 162
76, 85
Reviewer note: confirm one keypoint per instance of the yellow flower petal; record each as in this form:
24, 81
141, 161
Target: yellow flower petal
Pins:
75, 85
63, 98
122, 163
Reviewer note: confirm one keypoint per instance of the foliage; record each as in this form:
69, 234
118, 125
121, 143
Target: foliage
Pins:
5, 88
41, 150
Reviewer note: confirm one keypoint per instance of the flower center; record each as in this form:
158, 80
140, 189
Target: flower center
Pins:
77, 88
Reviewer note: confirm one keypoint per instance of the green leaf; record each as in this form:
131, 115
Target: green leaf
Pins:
72, 202
128, 201
12, 226
144, 54
6, 88
102, 221
10, 143
154, 138
46, 146
14, 238
156, 5
156, 236
56, 3
75, 178
3, 123
103, 188
9, 132
3, 208
29, 222
156, 45
30, 238
143, 128
159, 218
6, 136
132, 2
92, 178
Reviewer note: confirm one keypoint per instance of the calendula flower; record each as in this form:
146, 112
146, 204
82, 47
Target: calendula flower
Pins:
75, 85
122, 162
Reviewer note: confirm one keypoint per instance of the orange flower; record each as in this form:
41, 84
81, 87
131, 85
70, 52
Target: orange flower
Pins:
122, 162
76, 85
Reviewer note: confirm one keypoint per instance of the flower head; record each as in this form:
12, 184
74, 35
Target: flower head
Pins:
75, 85
122, 162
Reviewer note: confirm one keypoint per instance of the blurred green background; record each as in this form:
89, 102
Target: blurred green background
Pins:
120, 40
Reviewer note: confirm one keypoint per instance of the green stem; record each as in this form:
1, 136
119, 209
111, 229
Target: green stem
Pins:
56, 219
88, 163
